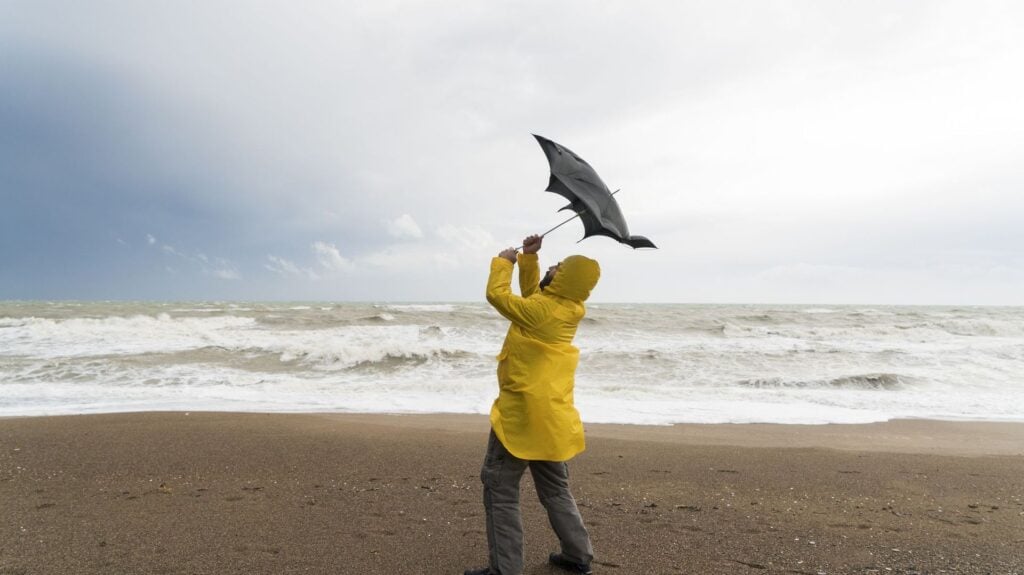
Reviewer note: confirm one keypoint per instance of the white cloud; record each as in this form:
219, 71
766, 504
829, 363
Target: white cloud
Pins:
227, 274
329, 257
285, 267
397, 258
447, 249
169, 249
446, 261
472, 238
217, 267
225, 270
404, 227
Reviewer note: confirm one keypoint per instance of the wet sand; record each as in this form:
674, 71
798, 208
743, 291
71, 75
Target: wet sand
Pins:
223, 493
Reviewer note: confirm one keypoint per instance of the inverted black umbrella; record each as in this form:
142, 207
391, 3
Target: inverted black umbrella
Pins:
574, 179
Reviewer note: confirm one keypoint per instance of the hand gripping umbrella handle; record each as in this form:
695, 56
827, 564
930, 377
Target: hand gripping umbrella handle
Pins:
562, 224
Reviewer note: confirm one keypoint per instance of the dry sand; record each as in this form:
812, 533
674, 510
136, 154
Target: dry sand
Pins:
220, 493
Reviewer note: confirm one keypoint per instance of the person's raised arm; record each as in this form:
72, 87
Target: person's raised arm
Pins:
499, 292
529, 268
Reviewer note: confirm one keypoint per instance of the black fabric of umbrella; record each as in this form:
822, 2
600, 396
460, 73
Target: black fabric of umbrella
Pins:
575, 180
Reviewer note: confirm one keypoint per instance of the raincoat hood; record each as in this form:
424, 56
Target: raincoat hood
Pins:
576, 277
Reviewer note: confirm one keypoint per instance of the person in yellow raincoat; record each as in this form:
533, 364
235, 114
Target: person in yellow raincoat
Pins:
534, 422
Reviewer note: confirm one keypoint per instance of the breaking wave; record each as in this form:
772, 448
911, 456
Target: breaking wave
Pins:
638, 363
438, 308
869, 381
361, 356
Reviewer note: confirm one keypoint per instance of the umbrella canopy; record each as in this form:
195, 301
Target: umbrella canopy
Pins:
574, 179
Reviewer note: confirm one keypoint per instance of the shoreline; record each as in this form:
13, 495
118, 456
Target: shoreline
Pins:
938, 436
223, 493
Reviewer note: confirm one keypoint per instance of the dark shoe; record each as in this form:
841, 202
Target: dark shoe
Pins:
480, 571
559, 560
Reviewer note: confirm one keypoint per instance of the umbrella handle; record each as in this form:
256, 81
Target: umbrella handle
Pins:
562, 224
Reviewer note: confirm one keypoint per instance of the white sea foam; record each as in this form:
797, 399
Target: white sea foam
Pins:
639, 364
439, 308
44, 337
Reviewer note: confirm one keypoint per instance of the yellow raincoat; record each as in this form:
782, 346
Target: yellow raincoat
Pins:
534, 416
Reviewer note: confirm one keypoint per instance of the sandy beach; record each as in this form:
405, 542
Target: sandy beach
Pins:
226, 493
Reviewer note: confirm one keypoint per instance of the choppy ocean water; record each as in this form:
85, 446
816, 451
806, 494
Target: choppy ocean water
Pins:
649, 364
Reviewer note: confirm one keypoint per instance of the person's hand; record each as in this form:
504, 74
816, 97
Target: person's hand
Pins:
531, 244
509, 254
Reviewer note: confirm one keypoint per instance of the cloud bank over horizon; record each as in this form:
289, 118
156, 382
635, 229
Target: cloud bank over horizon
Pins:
814, 152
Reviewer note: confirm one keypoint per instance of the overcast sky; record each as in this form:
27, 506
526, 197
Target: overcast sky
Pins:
804, 152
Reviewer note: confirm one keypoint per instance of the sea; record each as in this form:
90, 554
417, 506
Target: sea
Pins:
639, 364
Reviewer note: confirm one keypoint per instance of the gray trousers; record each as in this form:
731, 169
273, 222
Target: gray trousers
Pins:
500, 475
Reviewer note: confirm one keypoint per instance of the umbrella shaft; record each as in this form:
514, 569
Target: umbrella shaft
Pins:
561, 224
